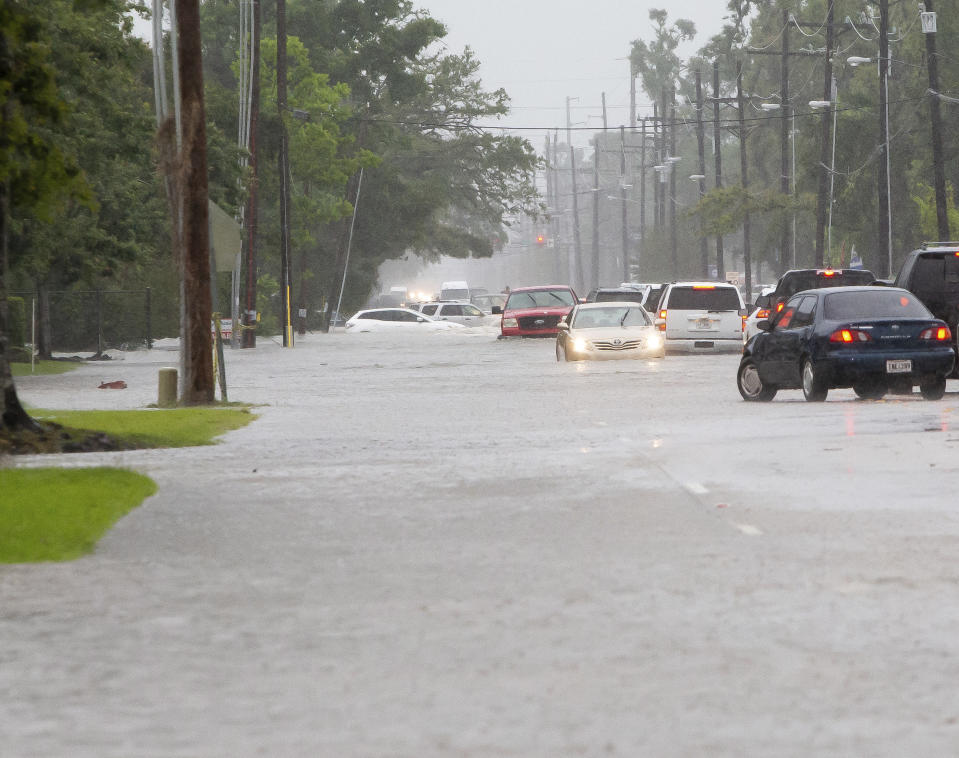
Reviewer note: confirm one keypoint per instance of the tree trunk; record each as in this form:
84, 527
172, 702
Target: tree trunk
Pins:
13, 415
198, 380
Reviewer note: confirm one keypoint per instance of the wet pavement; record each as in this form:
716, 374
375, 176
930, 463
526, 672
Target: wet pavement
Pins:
449, 545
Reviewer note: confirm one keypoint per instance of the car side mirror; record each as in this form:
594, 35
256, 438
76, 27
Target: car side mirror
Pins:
765, 325
563, 326
421, 320
497, 310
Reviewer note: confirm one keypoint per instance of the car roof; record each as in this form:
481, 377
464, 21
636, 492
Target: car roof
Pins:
705, 285
608, 304
849, 288
541, 287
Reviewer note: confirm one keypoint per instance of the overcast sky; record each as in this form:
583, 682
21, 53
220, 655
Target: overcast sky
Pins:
541, 51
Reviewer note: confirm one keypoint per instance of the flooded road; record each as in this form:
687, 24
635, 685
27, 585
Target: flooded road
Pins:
451, 545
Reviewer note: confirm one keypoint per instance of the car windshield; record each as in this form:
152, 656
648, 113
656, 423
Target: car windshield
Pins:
877, 303
539, 299
703, 299
455, 295
596, 318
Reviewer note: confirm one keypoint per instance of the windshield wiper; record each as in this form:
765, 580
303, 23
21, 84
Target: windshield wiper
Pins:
622, 321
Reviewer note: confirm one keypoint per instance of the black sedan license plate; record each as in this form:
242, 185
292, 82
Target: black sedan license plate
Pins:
898, 367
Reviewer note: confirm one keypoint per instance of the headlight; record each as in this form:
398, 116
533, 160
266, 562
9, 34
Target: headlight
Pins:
580, 345
510, 323
654, 342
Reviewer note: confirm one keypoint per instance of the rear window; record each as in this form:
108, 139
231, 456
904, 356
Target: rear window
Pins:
703, 299
540, 299
631, 296
877, 303
936, 273
811, 280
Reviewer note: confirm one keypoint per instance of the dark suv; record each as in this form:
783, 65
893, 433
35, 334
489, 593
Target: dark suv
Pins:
931, 273
801, 279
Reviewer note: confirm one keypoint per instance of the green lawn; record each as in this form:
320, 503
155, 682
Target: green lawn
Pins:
176, 427
59, 514
43, 367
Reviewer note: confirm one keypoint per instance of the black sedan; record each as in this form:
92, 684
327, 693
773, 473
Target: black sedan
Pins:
873, 339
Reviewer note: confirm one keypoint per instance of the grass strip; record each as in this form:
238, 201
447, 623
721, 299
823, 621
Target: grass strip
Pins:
51, 514
42, 368
175, 427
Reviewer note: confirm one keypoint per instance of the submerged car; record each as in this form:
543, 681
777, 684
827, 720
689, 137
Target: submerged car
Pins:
873, 339
395, 319
608, 330
535, 311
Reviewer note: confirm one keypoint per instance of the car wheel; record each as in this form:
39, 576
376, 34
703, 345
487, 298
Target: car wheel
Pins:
812, 386
751, 386
934, 389
870, 389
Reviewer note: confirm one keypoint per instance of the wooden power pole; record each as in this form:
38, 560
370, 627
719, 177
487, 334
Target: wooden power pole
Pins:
198, 382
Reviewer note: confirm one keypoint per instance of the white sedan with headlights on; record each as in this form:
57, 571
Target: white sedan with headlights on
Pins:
607, 331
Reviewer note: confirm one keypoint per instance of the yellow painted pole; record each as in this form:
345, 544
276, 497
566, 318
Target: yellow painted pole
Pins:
288, 326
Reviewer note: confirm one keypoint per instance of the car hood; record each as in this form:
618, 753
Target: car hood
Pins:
613, 332
559, 310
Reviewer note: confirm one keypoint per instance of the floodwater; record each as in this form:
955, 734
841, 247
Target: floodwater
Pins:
450, 545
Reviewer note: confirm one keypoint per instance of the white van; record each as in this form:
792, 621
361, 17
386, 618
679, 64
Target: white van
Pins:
702, 317
459, 291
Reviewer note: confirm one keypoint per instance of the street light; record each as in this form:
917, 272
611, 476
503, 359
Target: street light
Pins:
858, 60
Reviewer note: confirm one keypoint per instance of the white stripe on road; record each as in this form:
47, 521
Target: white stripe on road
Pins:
748, 529
696, 488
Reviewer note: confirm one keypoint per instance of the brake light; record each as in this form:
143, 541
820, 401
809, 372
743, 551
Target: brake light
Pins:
662, 314
828, 272
704, 286
848, 336
779, 306
937, 333
762, 313
744, 323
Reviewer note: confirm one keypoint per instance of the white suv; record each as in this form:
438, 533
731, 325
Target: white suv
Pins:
461, 313
702, 317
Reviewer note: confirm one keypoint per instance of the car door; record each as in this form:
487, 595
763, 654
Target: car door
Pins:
783, 346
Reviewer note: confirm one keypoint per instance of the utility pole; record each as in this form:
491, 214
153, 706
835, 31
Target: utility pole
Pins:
622, 197
744, 179
605, 123
662, 161
576, 269
284, 166
657, 160
718, 152
932, 64
673, 243
885, 223
785, 106
642, 193
701, 146
249, 316
632, 96
198, 382
822, 196
594, 269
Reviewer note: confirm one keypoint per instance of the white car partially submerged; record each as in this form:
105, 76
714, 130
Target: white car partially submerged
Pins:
396, 319
608, 330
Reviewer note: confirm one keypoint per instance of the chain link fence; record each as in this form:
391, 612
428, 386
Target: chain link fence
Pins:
94, 320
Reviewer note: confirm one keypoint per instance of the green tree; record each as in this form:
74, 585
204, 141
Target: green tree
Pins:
34, 171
